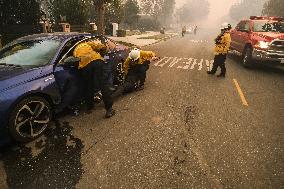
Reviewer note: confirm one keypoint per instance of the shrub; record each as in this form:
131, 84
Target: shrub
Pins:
121, 33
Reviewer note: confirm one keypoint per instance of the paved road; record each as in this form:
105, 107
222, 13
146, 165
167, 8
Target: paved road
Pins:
185, 130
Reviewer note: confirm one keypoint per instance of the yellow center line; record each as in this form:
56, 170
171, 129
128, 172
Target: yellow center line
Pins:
244, 101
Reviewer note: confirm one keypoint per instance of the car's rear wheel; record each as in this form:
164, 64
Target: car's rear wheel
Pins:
247, 57
29, 119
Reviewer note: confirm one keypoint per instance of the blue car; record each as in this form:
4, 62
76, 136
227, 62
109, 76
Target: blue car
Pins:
33, 80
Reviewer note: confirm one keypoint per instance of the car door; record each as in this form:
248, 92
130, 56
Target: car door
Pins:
244, 35
233, 34
236, 36
63, 74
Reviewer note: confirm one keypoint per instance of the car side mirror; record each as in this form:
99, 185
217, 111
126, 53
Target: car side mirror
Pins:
71, 61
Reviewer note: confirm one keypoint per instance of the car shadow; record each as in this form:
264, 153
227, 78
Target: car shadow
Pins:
53, 162
265, 68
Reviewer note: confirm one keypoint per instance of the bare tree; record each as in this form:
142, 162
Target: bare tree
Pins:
161, 10
274, 8
194, 10
246, 8
100, 10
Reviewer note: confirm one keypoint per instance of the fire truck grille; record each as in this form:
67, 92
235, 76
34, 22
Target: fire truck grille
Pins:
277, 47
278, 43
276, 56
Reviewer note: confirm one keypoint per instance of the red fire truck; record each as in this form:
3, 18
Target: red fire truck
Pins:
259, 39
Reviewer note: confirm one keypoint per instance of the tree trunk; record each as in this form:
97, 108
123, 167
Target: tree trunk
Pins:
101, 17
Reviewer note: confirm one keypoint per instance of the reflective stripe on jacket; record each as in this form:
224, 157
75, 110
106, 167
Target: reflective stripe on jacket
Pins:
224, 45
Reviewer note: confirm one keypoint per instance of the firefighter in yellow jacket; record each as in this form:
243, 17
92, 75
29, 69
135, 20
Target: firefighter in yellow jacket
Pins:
222, 47
135, 68
93, 69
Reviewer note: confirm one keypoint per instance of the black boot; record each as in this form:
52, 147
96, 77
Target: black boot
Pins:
112, 89
140, 87
109, 113
210, 72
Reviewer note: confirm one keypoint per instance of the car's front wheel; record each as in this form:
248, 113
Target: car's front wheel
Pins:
247, 57
29, 119
119, 74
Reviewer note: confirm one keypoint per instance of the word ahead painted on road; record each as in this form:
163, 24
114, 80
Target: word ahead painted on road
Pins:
199, 41
184, 63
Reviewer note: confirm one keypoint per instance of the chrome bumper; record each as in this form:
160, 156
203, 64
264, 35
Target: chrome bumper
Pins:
268, 55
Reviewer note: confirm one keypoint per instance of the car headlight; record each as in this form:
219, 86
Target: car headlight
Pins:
262, 44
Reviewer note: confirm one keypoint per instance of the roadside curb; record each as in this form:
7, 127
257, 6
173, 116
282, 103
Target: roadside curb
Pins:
156, 42
161, 40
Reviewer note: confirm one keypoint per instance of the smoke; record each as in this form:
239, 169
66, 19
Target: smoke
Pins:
220, 11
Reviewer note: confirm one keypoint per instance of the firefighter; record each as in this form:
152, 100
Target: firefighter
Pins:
135, 68
223, 42
195, 30
94, 73
183, 31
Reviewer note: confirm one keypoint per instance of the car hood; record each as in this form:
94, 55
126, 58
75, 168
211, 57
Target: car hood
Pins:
7, 72
11, 76
269, 36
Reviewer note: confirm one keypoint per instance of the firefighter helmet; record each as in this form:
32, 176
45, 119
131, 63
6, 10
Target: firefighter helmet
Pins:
226, 26
134, 54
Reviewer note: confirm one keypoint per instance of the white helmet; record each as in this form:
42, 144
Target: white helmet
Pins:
226, 26
134, 54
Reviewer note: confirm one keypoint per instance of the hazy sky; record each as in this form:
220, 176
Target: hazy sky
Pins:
218, 7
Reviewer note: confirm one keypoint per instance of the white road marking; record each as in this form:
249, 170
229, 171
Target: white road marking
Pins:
157, 63
174, 62
209, 64
199, 41
185, 63
196, 63
171, 62
169, 59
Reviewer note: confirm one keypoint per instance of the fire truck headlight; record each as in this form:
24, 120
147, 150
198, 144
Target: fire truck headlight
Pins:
262, 45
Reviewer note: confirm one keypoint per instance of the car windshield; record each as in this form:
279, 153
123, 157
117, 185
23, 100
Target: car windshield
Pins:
29, 53
268, 26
